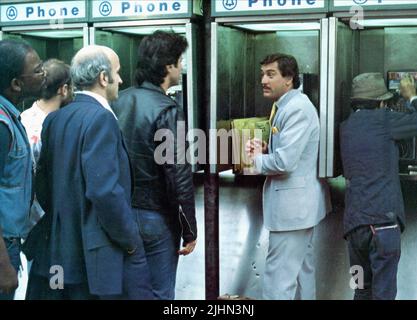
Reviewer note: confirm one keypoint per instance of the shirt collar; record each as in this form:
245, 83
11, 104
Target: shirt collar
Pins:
10, 107
100, 99
287, 96
37, 109
281, 98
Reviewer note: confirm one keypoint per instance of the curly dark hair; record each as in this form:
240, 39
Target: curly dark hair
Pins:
12, 61
155, 53
287, 65
58, 74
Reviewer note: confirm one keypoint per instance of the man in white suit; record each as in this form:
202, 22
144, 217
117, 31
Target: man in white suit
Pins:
294, 200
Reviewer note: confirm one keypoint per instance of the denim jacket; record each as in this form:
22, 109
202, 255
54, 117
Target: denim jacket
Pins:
16, 180
370, 163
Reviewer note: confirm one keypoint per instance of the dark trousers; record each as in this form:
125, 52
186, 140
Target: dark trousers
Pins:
161, 234
39, 289
378, 253
13, 249
136, 283
136, 278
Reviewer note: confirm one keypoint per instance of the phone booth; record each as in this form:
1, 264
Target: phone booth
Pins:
55, 29
378, 36
375, 36
242, 34
121, 25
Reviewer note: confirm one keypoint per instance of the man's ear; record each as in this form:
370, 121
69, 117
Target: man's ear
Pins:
169, 68
15, 85
63, 91
103, 79
382, 104
289, 81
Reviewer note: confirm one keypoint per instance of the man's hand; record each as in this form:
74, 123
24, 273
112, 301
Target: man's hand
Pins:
8, 278
407, 89
255, 147
188, 248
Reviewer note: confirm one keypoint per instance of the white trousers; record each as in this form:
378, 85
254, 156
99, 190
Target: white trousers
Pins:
289, 269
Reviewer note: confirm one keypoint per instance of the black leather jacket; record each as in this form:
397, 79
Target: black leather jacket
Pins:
166, 187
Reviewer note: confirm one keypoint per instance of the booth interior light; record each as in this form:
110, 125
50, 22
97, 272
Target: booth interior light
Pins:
54, 34
387, 22
149, 30
272, 27
227, 174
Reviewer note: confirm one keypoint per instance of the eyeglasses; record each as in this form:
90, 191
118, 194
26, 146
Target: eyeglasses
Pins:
39, 71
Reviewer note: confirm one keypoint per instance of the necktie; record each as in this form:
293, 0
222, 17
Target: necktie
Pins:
273, 113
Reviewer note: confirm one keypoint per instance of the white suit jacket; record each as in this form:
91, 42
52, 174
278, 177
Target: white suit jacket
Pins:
293, 196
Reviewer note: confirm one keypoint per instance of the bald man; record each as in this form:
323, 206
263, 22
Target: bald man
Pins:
87, 245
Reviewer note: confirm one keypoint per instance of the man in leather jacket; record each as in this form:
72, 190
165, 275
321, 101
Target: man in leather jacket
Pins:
163, 195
